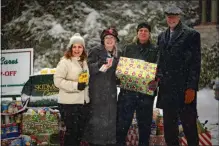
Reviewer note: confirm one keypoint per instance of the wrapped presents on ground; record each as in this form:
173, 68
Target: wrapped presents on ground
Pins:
157, 132
34, 123
9, 130
40, 139
7, 142
156, 140
132, 137
45, 139
204, 135
22, 140
135, 74
204, 139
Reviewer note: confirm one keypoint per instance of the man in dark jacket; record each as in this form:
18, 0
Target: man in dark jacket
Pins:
130, 101
178, 70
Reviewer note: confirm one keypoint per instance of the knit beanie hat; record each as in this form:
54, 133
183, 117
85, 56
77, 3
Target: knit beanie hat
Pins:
76, 39
109, 31
143, 25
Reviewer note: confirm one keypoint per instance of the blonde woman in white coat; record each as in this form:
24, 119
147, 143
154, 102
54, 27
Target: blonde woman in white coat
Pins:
73, 95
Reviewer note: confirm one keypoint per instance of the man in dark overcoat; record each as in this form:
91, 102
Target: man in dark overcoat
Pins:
179, 71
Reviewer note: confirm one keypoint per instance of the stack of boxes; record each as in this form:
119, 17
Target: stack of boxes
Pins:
10, 119
42, 126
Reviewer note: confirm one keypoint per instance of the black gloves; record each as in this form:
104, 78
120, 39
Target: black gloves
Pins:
118, 82
81, 86
101, 62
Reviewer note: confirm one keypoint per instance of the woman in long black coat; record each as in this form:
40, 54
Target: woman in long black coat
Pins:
101, 129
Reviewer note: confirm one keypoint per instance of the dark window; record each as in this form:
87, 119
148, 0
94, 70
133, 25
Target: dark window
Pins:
208, 10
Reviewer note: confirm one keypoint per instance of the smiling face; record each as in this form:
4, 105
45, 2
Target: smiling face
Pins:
172, 20
77, 50
109, 42
143, 35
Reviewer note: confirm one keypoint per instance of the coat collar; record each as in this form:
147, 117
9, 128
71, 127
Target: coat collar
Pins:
178, 31
145, 44
75, 58
104, 52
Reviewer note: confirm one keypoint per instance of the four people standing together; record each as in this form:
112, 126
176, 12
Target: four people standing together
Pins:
104, 121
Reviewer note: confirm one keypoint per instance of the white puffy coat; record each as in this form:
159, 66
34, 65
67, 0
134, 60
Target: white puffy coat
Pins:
66, 79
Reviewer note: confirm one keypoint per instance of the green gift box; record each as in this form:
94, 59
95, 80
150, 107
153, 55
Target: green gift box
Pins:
45, 139
135, 74
36, 123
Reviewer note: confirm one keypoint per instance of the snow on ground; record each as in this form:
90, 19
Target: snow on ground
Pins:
208, 108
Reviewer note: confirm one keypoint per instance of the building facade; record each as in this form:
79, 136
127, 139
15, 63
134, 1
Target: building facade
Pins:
209, 24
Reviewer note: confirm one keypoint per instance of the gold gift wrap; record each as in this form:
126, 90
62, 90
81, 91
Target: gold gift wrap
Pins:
135, 74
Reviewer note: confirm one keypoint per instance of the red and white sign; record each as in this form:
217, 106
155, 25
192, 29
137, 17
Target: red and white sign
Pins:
16, 67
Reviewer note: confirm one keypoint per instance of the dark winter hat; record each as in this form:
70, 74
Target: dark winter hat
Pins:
173, 10
109, 31
143, 25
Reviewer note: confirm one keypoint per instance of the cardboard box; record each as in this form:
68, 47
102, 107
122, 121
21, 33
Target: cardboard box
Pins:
135, 74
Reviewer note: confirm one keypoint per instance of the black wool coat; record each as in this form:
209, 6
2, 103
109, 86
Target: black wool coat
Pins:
101, 128
179, 66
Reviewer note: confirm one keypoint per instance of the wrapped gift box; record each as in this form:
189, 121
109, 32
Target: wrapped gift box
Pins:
9, 130
132, 138
7, 142
204, 139
36, 123
135, 74
40, 139
45, 139
156, 140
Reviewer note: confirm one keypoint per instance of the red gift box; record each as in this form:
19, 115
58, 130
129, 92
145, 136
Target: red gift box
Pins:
157, 140
204, 139
132, 138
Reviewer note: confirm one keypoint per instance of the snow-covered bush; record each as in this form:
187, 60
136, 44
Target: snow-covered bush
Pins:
209, 64
47, 25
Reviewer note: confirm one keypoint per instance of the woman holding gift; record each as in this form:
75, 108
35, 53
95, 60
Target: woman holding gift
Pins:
73, 90
131, 101
102, 62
